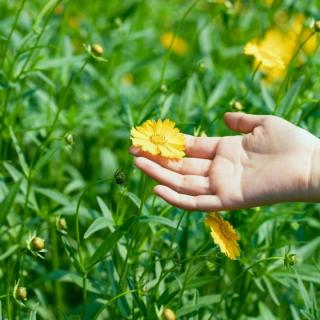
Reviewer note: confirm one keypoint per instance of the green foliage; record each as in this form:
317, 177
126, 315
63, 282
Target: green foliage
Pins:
65, 120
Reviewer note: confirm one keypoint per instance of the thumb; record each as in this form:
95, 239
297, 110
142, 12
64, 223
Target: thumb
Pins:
241, 122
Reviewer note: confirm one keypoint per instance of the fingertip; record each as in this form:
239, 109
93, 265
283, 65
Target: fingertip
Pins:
160, 190
134, 150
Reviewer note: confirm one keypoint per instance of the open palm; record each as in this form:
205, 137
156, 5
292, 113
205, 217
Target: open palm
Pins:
270, 163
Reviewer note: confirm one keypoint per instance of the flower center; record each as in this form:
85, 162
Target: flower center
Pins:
225, 230
157, 139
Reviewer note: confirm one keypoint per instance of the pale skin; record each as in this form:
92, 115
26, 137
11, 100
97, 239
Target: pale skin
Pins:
272, 161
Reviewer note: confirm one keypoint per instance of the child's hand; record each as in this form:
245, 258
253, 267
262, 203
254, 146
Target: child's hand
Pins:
274, 161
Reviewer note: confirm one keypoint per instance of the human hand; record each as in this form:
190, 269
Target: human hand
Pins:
274, 161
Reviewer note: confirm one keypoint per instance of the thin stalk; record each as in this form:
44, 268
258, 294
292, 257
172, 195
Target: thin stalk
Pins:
286, 79
256, 69
144, 192
167, 57
112, 300
11, 31
63, 101
84, 295
55, 265
253, 265
77, 222
25, 206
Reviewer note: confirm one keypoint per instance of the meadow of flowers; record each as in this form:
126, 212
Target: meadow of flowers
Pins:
82, 235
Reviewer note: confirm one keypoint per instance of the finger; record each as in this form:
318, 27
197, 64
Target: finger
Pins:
242, 122
193, 203
201, 147
188, 184
191, 166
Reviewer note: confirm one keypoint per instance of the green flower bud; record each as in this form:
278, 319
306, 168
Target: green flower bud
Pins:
68, 138
97, 50
21, 293
164, 88
37, 244
168, 314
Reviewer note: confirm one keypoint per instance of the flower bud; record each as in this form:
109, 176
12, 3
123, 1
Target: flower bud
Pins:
68, 138
97, 50
236, 105
117, 22
164, 88
168, 314
120, 177
62, 224
290, 259
201, 67
21, 293
317, 26
37, 244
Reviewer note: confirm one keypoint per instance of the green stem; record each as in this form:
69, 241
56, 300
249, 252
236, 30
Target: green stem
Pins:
286, 79
25, 206
84, 295
251, 80
253, 265
77, 223
112, 300
144, 193
11, 32
167, 57
63, 100
55, 265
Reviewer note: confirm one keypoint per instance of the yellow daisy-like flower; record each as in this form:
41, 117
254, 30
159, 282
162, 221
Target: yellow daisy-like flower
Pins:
224, 235
159, 138
282, 41
174, 43
266, 57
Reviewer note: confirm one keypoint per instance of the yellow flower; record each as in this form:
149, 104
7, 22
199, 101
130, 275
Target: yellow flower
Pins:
174, 43
282, 41
263, 56
224, 235
159, 138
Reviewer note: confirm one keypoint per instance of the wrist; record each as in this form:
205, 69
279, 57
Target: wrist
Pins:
314, 177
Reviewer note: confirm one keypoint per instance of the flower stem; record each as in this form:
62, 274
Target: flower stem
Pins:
167, 57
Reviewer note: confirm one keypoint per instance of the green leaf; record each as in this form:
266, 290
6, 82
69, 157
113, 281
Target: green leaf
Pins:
267, 98
45, 10
53, 195
97, 225
265, 312
72, 254
33, 313
8, 201
271, 290
109, 242
137, 202
104, 209
303, 291
9, 252
306, 251
218, 92
47, 156
159, 220
290, 98
202, 302
132, 285
22, 160
127, 110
